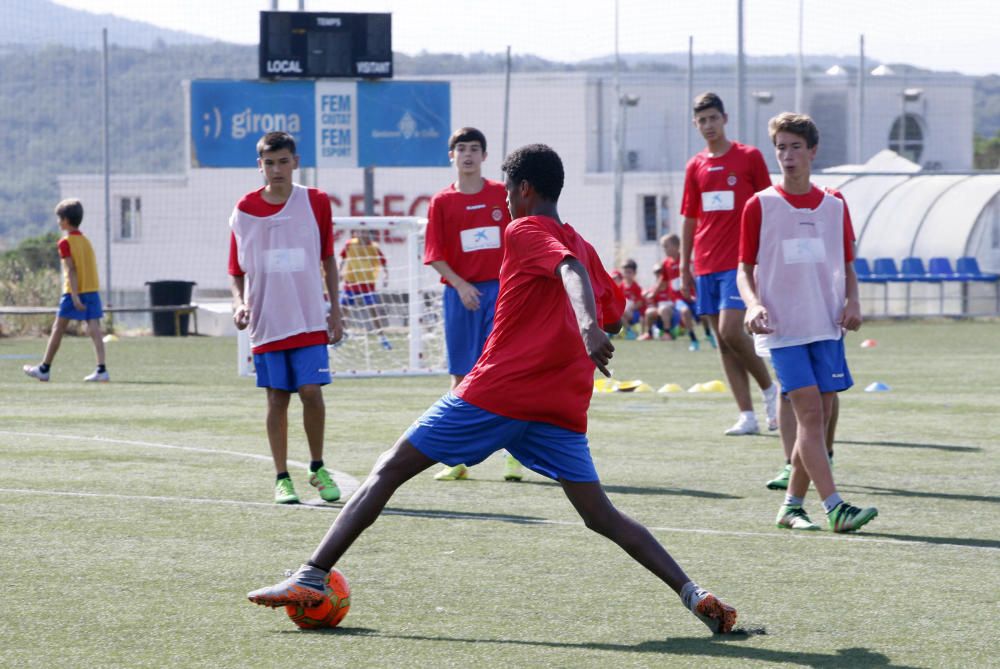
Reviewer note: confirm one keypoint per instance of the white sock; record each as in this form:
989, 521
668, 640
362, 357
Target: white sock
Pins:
749, 415
792, 500
688, 593
770, 392
831, 502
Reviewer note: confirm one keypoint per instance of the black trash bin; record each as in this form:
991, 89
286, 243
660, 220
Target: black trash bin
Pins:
169, 293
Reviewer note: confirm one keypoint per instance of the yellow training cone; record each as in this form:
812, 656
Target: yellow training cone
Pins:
644, 388
629, 386
670, 388
108, 338
713, 386
605, 385
696, 388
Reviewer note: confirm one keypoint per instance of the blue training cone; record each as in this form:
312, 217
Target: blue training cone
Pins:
876, 387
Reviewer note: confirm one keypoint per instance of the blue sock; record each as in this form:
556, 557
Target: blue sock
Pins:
282, 475
315, 465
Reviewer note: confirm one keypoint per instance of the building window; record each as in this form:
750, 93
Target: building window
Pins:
913, 138
130, 222
655, 217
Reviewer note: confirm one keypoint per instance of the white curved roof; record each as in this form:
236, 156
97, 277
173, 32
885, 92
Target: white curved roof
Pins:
863, 195
950, 222
896, 220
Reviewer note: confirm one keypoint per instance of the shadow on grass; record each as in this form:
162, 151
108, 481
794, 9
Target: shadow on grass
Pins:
951, 448
903, 492
906, 444
647, 490
464, 515
711, 647
948, 541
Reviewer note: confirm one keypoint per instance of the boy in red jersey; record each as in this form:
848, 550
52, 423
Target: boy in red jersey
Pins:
635, 302
797, 279
464, 244
529, 392
81, 298
670, 275
280, 258
717, 184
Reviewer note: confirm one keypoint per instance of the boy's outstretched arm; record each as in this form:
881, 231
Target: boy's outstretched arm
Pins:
576, 281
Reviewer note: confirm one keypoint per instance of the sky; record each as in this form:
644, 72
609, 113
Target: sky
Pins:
957, 35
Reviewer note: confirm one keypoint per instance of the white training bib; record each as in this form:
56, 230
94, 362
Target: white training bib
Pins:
284, 260
803, 250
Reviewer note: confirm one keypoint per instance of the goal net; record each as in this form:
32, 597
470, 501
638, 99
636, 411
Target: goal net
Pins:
391, 301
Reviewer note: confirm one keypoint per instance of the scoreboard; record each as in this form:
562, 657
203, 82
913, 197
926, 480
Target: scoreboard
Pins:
315, 45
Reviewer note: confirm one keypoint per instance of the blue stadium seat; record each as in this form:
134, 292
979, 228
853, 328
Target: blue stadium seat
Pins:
884, 269
967, 268
940, 268
864, 271
912, 269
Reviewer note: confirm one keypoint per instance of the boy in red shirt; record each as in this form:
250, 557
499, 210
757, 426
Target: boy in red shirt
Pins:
464, 244
529, 392
280, 259
717, 184
797, 279
635, 302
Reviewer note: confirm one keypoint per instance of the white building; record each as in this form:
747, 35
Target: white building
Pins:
175, 227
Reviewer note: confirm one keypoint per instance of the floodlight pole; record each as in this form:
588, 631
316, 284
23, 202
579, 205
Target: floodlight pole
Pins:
859, 137
506, 107
619, 180
800, 82
106, 141
690, 96
741, 76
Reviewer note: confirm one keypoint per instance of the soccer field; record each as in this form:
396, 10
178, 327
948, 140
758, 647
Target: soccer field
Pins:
137, 514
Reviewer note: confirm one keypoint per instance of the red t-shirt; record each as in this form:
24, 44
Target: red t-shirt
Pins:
634, 293
750, 223
671, 274
253, 203
534, 366
715, 192
467, 231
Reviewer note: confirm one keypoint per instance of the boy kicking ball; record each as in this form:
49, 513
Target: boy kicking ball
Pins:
798, 282
528, 392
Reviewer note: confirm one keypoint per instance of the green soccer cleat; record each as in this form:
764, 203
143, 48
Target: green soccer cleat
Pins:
709, 609
512, 469
324, 484
456, 473
794, 518
780, 482
847, 518
284, 492
306, 586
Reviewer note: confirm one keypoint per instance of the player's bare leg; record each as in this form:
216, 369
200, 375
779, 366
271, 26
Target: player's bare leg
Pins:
313, 418
277, 427
601, 516
393, 468
55, 339
96, 336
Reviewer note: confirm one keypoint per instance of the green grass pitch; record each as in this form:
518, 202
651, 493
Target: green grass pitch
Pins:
135, 516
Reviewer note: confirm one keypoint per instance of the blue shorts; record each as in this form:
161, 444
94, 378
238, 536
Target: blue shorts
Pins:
356, 298
92, 309
294, 367
717, 291
455, 432
465, 331
819, 363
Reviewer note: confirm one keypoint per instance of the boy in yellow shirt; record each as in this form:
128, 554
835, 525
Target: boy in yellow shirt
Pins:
81, 300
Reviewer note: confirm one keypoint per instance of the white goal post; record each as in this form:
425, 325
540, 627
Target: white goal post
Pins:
391, 302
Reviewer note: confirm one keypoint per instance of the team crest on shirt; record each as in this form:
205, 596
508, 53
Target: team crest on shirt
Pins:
731, 179
497, 214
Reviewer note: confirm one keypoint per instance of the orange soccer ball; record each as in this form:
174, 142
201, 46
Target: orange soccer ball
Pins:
330, 611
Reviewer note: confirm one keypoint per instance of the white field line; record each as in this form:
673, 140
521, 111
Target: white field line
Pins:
811, 536
347, 483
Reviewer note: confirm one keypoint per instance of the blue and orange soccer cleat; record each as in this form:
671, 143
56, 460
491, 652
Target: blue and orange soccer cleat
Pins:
307, 585
709, 609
